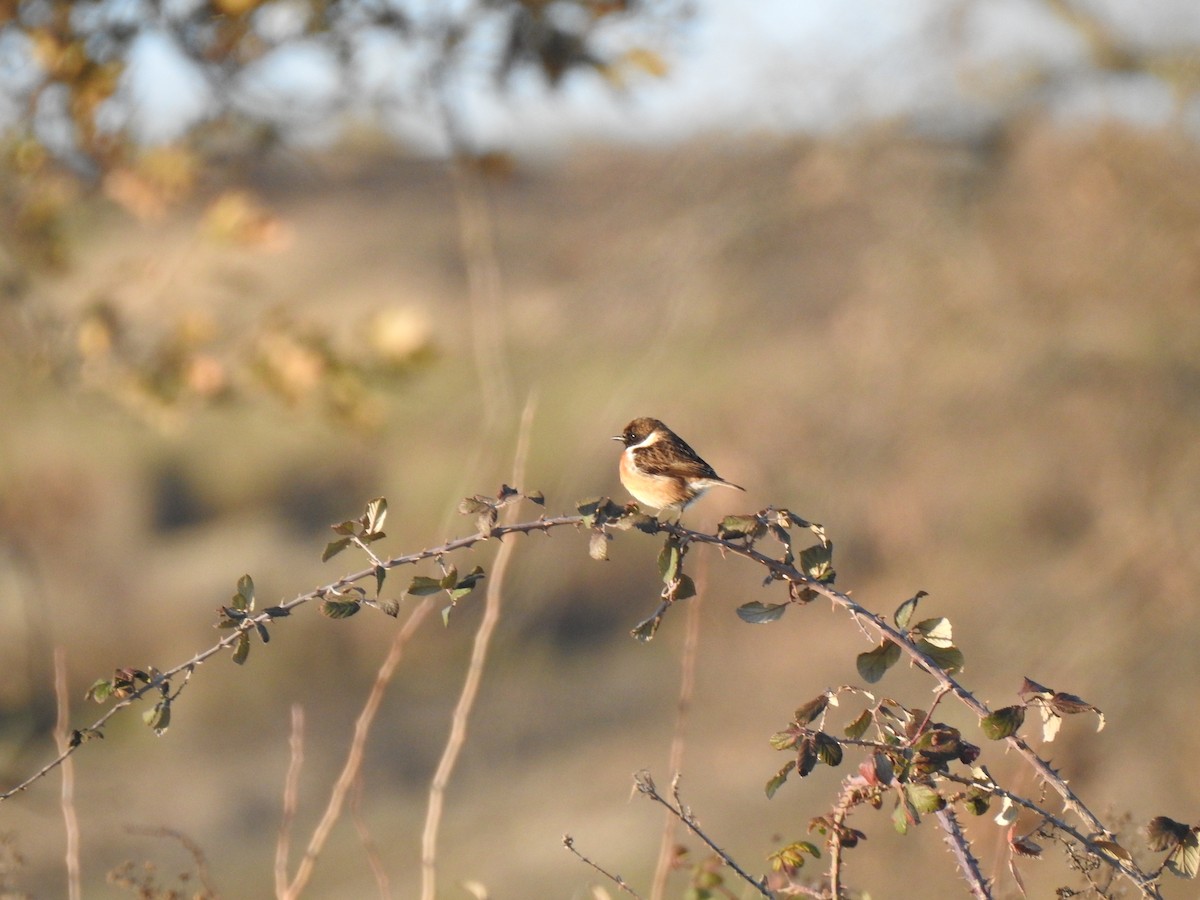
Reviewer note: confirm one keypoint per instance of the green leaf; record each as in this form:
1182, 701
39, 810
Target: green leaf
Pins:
1002, 723
536, 497
333, 548
900, 818
245, 587
376, 515
810, 710
923, 798
684, 588
263, 634
228, 617
598, 545
905, 610
388, 607
784, 740
587, 508
1164, 833
817, 562
873, 664
977, 801
829, 751
158, 718
858, 727
446, 615
734, 527
669, 559
449, 579
779, 778
380, 575
241, 649
335, 608
423, 586
100, 690
948, 658
473, 506
1184, 860
760, 613
936, 631
645, 630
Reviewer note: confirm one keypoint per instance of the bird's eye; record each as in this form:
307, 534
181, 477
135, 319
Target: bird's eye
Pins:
630, 436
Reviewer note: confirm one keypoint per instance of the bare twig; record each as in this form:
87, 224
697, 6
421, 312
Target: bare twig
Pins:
194, 849
687, 684
569, 843
354, 757
645, 785
470, 689
67, 797
374, 860
291, 799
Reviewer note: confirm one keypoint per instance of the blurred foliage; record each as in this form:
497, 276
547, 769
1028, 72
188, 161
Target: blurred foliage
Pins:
245, 76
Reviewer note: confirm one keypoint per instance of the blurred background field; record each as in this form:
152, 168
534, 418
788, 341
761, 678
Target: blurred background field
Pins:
976, 361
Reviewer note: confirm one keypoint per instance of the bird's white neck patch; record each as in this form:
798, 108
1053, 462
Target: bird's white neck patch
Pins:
652, 438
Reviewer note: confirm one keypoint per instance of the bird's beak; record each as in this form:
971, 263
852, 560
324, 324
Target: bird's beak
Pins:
618, 437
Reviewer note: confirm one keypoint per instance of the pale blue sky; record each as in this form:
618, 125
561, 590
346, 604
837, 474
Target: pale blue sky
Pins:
945, 67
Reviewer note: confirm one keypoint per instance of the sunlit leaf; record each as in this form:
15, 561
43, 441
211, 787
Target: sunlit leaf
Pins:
598, 545
335, 608
936, 631
858, 727
333, 548
905, 610
873, 664
669, 559
784, 740
734, 527
779, 778
923, 798
423, 586
100, 690
829, 751
757, 613
810, 710
1002, 723
159, 717
949, 659
684, 588
245, 587
817, 562
376, 515
1164, 833
241, 649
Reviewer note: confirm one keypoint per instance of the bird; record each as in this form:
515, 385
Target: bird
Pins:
659, 468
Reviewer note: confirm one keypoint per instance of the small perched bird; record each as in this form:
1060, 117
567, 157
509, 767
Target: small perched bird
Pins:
660, 469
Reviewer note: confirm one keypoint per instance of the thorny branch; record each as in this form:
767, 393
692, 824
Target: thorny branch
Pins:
645, 785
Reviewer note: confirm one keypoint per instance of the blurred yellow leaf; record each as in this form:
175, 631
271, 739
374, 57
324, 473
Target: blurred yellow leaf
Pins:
647, 60
238, 218
236, 7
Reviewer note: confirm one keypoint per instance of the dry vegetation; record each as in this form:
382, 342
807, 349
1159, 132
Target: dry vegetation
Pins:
979, 367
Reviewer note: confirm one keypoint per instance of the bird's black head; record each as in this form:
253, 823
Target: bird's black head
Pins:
638, 430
